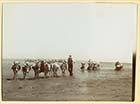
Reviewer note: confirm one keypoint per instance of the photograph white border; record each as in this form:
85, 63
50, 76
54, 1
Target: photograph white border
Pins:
137, 77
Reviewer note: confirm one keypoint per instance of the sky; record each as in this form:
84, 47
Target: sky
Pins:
102, 32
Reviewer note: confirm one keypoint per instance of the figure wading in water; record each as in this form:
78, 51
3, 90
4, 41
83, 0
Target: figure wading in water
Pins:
70, 65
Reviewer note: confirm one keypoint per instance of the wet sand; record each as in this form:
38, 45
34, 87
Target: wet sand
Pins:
103, 85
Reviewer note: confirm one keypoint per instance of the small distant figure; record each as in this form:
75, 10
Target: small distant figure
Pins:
90, 65
118, 66
82, 67
70, 65
93, 66
96, 66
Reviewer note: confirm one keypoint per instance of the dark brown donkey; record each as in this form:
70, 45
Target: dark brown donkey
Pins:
40, 67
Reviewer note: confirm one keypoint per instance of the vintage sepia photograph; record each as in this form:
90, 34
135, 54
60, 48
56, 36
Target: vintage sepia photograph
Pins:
68, 51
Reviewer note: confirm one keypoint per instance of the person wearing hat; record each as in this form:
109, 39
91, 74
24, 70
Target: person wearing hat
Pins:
70, 65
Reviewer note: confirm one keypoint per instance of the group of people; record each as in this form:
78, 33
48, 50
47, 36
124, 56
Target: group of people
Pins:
91, 66
96, 66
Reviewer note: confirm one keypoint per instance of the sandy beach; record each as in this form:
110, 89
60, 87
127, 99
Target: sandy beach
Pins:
102, 85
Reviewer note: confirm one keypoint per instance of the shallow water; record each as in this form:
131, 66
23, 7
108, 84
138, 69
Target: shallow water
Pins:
106, 71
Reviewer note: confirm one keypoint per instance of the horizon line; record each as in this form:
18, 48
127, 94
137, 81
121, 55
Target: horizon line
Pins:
62, 59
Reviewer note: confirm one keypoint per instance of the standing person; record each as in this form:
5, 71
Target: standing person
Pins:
42, 66
70, 65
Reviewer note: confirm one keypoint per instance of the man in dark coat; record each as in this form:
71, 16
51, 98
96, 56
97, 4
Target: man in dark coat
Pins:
70, 65
42, 66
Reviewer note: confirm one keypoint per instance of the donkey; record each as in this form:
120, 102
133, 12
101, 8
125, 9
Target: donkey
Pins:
25, 69
40, 67
15, 67
63, 67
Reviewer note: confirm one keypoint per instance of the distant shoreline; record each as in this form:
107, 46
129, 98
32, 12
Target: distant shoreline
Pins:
107, 62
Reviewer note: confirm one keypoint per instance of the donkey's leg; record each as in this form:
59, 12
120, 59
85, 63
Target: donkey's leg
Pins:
64, 72
56, 73
45, 74
49, 73
14, 76
35, 75
52, 73
24, 75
